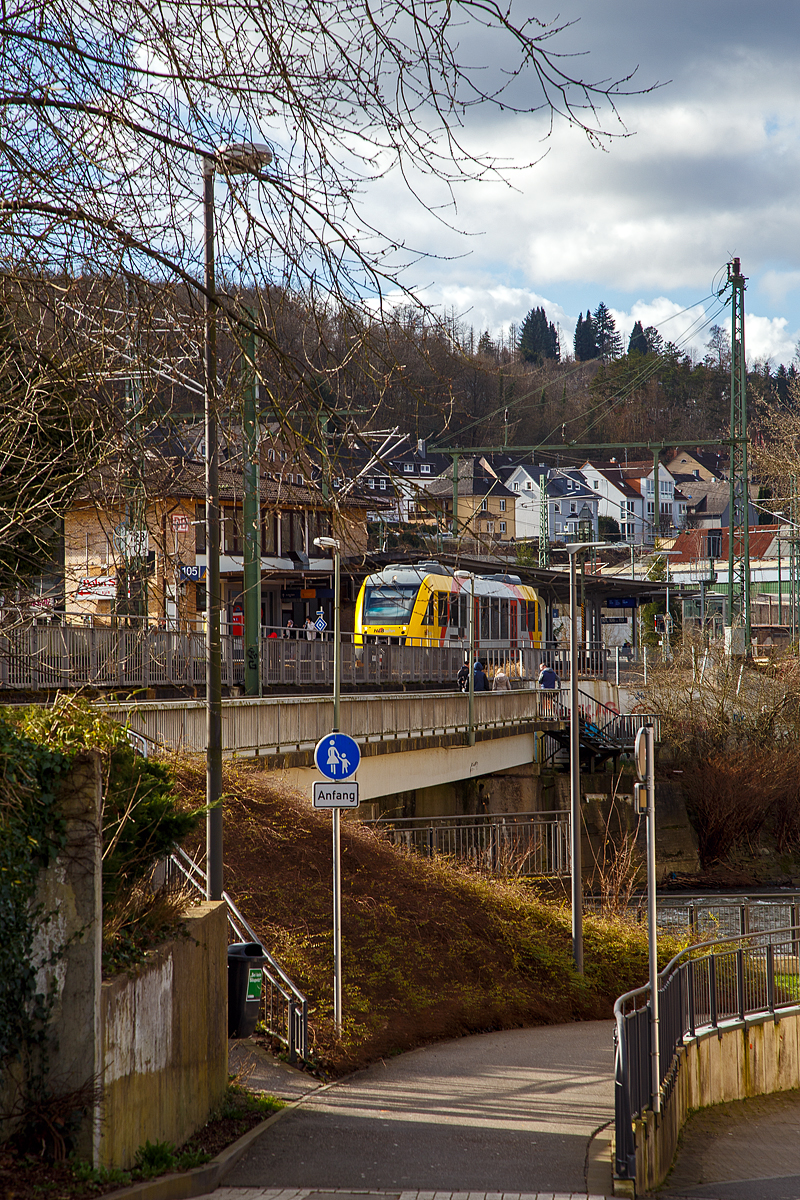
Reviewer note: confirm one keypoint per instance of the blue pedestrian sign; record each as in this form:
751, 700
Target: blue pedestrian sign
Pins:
337, 756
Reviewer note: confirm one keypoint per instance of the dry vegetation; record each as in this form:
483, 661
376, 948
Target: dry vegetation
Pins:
735, 732
430, 950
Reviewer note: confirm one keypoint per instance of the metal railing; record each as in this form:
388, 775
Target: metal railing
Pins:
34, 657
522, 844
704, 987
709, 918
285, 1008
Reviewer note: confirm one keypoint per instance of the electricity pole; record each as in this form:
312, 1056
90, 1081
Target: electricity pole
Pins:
738, 614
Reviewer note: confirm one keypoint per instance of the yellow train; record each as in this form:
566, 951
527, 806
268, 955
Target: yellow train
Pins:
425, 605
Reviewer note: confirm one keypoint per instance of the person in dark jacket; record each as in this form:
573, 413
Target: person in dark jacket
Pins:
547, 677
462, 678
481, 683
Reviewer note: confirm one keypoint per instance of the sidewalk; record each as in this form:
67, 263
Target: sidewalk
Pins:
503, 1115
745, 1150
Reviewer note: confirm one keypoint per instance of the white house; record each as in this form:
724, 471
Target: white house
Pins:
627, 493
567, 494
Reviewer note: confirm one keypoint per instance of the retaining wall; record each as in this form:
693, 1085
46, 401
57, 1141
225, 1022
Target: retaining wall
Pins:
740, 1060
164, 1040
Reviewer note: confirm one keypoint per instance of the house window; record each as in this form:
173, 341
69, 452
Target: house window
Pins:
290, 478
516, 487
490, 526
371, 483
573, 506
408, 468
650, 508
502, 506
529, 486
383, 483
502, 526
425, 468
484, 505
596, 484
299, 480
629, 506
557, 506
558, 527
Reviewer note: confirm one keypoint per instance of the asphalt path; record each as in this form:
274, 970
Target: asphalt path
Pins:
498, 1112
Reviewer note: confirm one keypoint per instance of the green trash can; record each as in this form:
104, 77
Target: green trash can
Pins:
245, 981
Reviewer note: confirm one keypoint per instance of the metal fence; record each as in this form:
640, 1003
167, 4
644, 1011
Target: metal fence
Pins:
285, 1008
523, 844
36, 657
703, 987
707, 918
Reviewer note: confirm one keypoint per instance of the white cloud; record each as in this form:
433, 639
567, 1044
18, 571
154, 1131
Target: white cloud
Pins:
711, 171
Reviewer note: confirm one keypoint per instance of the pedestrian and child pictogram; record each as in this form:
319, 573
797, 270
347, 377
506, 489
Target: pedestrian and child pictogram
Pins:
337, 756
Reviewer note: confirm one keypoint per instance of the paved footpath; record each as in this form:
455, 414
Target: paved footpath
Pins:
506, 1116
746, 1150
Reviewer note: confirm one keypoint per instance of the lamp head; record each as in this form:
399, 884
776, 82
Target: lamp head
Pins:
243, 158
327, 543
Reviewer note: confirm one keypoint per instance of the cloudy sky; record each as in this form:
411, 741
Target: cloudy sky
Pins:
711, 170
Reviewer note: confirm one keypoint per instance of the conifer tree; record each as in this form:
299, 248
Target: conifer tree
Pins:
638, 342
607, 339
585, 338
538, 339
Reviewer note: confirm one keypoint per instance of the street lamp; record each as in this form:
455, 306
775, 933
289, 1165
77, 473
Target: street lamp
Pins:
574, 548
470, 575
234, 159
329, 543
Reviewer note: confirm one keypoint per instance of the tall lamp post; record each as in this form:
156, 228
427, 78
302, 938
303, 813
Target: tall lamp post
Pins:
573, 549
470, 575
329, 543
234, 159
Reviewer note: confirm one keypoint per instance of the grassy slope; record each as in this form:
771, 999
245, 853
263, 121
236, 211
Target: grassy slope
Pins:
429, 950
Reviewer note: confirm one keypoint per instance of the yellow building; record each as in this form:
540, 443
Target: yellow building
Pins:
486, 507
137, 549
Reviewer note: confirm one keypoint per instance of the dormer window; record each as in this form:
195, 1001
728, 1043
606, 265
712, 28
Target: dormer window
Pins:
484, 505
425, 468
408, 468
371, 482
383, 483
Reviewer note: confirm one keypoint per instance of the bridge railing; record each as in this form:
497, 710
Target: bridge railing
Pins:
703, 988
521, 844
34, 657
285, 1008
272, 726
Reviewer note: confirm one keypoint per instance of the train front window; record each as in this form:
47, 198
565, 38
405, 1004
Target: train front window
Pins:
389, 604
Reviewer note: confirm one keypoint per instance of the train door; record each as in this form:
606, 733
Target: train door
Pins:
513, 625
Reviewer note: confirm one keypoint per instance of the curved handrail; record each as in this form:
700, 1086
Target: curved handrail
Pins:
664, 974
625, 1155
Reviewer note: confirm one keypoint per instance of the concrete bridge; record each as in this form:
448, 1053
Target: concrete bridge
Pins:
407, 740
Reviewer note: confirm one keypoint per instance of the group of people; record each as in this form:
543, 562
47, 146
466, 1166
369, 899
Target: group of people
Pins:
290, 630
500, 683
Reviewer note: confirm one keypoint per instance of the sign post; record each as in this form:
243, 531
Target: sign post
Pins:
645, 792
337, 757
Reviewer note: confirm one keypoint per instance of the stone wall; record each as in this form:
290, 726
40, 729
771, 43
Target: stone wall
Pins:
164, 1040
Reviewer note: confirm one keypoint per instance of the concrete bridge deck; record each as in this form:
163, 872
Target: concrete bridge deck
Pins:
425, 733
